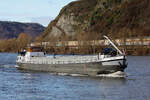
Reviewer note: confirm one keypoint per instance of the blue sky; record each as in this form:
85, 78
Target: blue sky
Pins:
40, 11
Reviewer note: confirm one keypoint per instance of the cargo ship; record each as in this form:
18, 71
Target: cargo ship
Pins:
110, 60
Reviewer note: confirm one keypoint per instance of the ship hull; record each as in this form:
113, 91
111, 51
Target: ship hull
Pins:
90, 69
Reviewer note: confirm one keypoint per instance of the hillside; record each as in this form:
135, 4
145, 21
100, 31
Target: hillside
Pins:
13, 29
90, 19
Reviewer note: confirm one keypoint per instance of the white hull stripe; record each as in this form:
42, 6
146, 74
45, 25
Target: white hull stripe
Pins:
113, 60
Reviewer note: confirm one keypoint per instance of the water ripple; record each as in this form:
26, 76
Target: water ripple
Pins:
26, 85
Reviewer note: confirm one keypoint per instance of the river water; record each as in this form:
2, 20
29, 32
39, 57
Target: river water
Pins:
25, 85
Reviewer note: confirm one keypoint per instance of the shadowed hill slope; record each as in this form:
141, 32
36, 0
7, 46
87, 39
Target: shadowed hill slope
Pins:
13, 29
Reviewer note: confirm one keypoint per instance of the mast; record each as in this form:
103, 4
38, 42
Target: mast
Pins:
112, 44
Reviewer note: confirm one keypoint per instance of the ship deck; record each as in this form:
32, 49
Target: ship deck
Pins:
67, 59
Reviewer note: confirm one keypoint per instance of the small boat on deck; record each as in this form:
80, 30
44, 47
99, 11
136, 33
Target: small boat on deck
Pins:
110, 60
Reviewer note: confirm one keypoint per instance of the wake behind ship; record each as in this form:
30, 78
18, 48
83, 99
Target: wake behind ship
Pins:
110, 60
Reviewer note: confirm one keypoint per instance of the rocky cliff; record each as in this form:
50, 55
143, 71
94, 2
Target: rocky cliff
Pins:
90, 19
13, 29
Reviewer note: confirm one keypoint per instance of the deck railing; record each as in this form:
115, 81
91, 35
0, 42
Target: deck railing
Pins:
61, 60
67, 59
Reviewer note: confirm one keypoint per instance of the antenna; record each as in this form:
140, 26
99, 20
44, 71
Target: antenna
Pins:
112, 44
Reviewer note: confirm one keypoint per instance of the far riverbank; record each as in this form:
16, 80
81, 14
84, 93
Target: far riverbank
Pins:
129, 50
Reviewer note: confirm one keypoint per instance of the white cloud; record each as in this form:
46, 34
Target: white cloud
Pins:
45, 20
